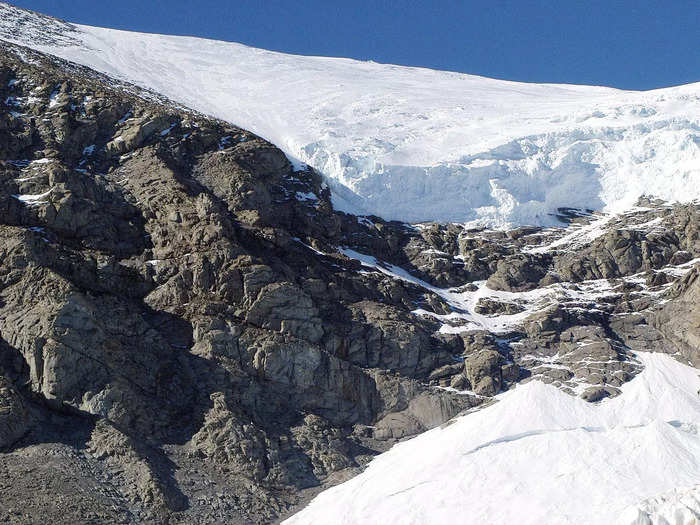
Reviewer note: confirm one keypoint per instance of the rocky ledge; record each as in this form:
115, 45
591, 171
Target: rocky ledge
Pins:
189, 333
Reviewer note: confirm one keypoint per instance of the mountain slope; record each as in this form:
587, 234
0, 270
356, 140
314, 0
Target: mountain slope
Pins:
190, 332
540, 456
169, 339
414, 144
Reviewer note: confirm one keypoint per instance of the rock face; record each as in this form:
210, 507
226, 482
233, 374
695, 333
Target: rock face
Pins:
621, 252
679, 319
187, 337
518, 273
483, 371
160, 281
14, 416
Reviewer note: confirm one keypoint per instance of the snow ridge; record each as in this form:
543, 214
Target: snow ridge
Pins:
414, 144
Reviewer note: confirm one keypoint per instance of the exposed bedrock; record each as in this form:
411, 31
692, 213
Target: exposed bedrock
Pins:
190, 333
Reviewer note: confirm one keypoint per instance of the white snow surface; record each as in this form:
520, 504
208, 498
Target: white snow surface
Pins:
540, 456
409, 143
676, 507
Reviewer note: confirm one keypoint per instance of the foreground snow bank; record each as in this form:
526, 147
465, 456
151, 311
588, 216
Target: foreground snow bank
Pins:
415, 144
677, 507
540, 456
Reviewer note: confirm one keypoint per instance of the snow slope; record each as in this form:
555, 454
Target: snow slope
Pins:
409, 143
541, 456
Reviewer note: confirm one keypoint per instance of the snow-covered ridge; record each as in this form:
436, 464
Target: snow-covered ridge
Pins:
541, 456
409, 143
678, 506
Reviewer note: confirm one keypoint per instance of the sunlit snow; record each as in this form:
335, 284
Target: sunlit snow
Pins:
415, 144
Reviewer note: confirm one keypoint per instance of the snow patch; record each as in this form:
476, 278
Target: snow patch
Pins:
306, 196
53, 97
463, 300
33, 199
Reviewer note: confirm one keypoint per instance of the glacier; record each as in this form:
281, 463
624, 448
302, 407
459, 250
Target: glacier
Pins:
413, 144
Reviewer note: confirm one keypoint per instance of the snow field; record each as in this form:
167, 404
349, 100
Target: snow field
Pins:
414, 144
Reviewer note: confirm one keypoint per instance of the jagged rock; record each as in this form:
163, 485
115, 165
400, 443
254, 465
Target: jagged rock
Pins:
489, 306
483, 371
596, 393
141, 470
424, 412
680, 257
445, 371
226, 440
460, 382
386, 337
136, 132
284, 307
334, 388
481, 251
679, 320
518, 273
14, 414
325, 445
550, 375
629, 250
477, 340
548, 323
510, 372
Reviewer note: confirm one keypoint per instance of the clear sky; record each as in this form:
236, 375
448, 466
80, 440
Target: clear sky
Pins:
630, 44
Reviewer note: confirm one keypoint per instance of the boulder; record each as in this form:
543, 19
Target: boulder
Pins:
483, 371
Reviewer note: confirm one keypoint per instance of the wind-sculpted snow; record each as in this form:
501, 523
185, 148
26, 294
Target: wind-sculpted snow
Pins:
679, 506
39, 29
540, 456
409, 143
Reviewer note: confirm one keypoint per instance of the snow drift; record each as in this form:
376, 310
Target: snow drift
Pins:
408, 143
541, 456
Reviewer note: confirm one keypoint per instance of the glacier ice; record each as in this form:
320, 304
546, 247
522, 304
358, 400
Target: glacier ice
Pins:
415, 144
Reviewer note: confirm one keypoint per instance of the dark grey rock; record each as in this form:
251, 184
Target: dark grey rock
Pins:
181, 341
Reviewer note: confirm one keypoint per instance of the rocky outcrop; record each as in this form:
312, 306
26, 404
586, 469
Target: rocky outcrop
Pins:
679, 319
631, 248
162, 281
483, 371
488, 306
14, 414
518, 273
190, 333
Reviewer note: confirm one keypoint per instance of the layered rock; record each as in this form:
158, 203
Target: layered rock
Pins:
192, 332
678, 320
157, 279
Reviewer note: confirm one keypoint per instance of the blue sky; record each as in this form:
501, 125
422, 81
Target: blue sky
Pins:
628, 44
